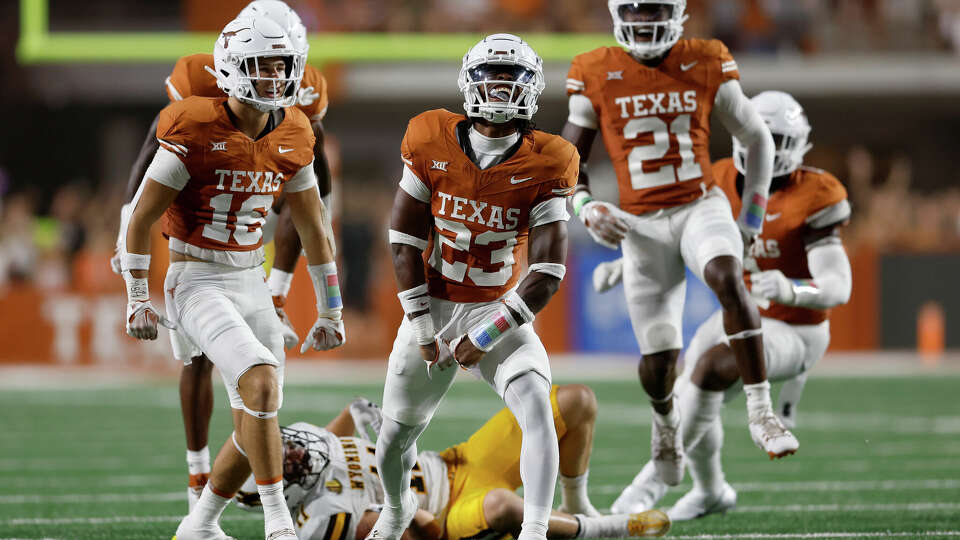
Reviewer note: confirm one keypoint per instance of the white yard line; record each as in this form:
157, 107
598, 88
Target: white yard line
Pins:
866, 485
764, 536
924, 506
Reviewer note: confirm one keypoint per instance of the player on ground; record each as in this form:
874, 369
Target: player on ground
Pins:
191, 78
652, 100
220, 164
465, 491
487, 187
800, 272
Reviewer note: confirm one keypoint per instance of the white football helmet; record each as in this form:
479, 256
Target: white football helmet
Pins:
282, 14
645, 36
241, 47
789, 126
501, 79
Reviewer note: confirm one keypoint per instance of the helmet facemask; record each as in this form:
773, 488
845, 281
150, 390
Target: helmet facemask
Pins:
260, 88
305, 457
501, 80
647, 29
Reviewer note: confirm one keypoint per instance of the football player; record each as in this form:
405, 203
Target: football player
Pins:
489, 189
652, 100
798, 270
220, 165
466, 491
191, 78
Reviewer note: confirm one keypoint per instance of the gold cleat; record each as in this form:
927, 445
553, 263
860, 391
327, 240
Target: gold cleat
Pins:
651, 523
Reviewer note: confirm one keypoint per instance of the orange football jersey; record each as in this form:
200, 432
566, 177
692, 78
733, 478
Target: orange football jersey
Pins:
655, 121
233, 178
189, 78
482, 217
781, 245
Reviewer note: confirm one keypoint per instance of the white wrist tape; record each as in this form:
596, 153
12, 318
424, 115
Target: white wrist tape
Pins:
486, 334
326, 285
279, 282
423, 329
134, 261
397, 237
415, 299
515, 302
138, 289
556, 270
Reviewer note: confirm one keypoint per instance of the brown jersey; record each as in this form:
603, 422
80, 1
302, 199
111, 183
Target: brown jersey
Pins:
233, 179
781, 246
190, 78
655, 121
482, 217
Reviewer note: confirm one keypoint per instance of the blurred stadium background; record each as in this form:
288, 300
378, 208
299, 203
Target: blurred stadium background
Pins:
880, 80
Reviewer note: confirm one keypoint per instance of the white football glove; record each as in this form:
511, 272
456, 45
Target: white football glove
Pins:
142, 320
289, 333
306, 96
772, 285
604, 226
367, 418
607, 275
326, 334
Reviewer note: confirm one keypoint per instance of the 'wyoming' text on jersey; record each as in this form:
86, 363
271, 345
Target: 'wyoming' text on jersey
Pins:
478, 211
658, 103
249, 181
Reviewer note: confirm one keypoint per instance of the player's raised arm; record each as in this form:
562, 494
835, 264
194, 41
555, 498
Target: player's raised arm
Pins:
307, 212
742, 120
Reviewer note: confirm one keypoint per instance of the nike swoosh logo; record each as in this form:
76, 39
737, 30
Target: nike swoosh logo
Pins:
686, 67
283, 150
772, 217
515, 180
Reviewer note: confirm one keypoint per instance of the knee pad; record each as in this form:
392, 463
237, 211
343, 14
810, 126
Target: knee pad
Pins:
661, 336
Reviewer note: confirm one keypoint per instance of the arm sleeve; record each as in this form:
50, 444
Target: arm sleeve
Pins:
414, 187
581, 112
738, 115
832, 279
167, 169
302, 180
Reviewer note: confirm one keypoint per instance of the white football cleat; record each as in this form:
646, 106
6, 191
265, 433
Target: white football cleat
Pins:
390, 526
697, 504
642, 494
187, 531
768, 433
285, 533
666, 451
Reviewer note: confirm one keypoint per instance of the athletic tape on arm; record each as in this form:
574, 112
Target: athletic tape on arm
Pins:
397, 237
556, 270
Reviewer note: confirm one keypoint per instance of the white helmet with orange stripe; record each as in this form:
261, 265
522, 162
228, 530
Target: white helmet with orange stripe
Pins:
647, 28
255, 62
790, 129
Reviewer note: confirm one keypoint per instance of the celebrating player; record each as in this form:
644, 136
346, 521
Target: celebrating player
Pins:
799, 271
220, 165
465, 491
485, 185
191, 78
652, 100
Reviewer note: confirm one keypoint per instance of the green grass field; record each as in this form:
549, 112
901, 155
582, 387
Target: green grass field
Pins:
878, 457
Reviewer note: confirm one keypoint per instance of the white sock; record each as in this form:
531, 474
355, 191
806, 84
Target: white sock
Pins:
396, 455
614, 526
704, 460
758, 397
528, 398
198, 462
574, 496
208, 509
698, 409
275, 513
